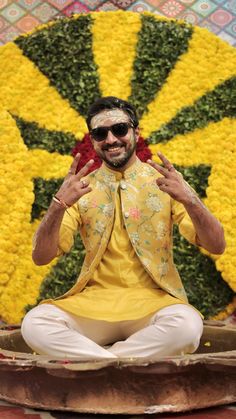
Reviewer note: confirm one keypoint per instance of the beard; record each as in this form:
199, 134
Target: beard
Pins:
119, 161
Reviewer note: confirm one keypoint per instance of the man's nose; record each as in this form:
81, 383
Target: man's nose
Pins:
110, 138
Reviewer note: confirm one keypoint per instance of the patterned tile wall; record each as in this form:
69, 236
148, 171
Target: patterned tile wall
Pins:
219, 16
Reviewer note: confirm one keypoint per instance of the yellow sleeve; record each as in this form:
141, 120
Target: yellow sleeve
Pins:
69, 226
184, 222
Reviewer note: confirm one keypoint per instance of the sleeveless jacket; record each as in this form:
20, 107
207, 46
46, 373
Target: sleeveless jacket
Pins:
148, 215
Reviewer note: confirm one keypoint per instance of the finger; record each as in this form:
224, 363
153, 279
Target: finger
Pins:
84, 183
162, 170
162, 181
85, 190
74, 164
164, 188
84, 169
165, 161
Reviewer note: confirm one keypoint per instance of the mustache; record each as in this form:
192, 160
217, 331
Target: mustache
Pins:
108, 146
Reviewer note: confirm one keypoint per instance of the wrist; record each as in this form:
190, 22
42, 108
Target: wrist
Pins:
61, 202
58, 205
55, 206
191, 200
193, 204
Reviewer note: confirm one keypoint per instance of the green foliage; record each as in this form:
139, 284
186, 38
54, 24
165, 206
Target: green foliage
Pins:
63, 52
160, 44
212, 107
44, 190
42, 138
205, 288
196, 176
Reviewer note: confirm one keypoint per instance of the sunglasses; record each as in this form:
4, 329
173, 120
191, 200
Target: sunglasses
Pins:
118, 130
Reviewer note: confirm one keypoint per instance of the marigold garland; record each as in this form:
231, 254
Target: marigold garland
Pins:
26, 93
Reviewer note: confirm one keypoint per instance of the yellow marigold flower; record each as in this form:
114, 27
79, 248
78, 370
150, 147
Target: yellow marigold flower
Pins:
189, 79
27, 79
117, 59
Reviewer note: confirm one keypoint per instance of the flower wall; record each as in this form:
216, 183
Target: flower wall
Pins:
181, 78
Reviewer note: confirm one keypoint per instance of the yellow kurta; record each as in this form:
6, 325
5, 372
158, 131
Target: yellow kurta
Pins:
120, 288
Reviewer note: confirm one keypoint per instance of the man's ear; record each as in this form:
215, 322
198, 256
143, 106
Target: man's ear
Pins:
137, 132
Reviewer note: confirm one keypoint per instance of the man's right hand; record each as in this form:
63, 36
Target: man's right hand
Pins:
73, 187
47, 236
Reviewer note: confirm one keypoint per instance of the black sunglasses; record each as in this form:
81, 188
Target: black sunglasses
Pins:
118, 130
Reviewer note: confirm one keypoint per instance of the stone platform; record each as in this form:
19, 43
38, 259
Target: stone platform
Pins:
129, 386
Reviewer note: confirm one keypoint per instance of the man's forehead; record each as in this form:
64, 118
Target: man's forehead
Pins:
115, 115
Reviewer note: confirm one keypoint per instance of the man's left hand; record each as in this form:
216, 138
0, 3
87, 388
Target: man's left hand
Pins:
171, 181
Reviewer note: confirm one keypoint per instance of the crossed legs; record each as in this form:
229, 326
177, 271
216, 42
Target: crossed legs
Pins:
173, 330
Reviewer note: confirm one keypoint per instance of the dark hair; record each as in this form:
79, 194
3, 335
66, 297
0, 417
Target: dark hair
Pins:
112, 102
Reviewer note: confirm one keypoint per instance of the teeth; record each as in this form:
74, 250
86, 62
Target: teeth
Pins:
114, 149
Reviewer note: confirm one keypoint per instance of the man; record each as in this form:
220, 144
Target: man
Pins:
129, 299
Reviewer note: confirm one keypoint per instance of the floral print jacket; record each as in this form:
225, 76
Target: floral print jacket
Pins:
148, 215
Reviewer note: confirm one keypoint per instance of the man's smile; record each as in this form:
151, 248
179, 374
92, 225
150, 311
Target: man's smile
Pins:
114, 149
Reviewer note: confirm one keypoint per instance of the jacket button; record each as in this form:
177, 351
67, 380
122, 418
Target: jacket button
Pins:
126, 215
123, 185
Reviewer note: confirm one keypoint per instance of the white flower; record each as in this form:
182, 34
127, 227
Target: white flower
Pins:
154, 203
99, 227
108, 209
161, 230
134, 238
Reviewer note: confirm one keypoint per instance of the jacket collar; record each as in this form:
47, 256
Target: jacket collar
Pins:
109, 176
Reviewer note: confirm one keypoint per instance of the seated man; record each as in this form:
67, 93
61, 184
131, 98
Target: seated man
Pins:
129, 300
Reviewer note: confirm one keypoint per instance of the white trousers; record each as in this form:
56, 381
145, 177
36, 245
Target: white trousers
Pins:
173, 330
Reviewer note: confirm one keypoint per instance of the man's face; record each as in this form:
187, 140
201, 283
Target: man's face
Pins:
118, 152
